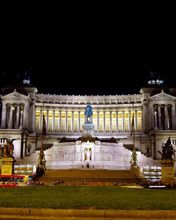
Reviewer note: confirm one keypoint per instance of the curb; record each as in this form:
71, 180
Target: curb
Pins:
89, 213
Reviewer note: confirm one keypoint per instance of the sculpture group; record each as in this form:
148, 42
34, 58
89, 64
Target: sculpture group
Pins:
7, 149
167, 151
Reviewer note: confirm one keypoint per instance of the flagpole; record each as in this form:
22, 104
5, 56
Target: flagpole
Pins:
41, 148
41, 167
134, 155
42, 129
135, 169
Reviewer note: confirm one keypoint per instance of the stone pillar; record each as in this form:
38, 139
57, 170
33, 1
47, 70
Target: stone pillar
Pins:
149, 117
22, 118
53, 121
144, 118
104, 120
173, 117
167, 125
72, 127
98, 120
136, 120
26, 117
59, 122
10, 117
33, 117
110, 114
66, 120
79, 122
123, 120
47, 120
159, 116
41, 120
155, 119
3, 118
17, 117
154, 115
129, 124
117, 120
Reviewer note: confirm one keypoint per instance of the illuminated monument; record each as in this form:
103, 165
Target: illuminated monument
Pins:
22, 110
89, 151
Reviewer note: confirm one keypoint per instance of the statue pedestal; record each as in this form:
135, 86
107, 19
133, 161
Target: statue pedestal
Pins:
167, 176
88, 129
7, 166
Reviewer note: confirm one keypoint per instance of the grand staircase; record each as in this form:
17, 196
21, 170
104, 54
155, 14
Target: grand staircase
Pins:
88, 177
110, 172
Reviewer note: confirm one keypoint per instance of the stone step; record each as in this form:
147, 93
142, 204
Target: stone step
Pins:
88, 173
88, 176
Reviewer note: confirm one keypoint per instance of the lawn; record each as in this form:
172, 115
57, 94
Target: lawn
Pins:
82, 197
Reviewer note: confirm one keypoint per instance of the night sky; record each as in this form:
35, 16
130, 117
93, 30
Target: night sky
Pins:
88, 75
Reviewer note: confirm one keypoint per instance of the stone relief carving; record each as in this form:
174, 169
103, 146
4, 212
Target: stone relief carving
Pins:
163, 96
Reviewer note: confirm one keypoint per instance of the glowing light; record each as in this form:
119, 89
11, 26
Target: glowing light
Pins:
155, 82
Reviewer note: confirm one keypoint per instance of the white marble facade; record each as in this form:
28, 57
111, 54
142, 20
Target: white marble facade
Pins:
153, 111
96, 155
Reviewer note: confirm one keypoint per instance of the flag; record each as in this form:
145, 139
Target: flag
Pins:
132, 125
44, 127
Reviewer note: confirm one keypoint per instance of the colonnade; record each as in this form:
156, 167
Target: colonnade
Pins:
103, 120
12, 116
164, 116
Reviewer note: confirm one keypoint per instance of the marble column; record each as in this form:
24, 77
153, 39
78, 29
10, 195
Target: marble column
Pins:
59, 121
3, 118
136, 120
79, 122
41, 120
152, 117
66, 120
123, 120
10, 117
104, 121
145, 125
72, 126
155, 119
22, 118
98, 120
110, 114
26, 117
117, 120
129, 124
17, 116
173, 117
167, 125
53, 121
159, 116
33, 117
47, 120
